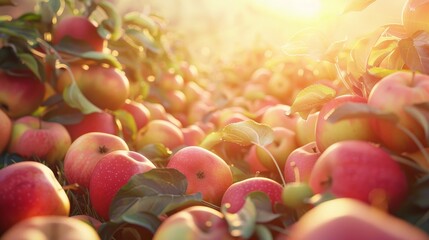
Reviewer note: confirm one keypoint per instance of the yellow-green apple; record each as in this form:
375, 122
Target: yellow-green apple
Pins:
20, 94
281, 87
415, 17
300, 163
357, 128
360, 170
295, 195
91, 221
30, 189
94, 122
235, 196
84, 154
160, 131
195, 222
392, 94
277, 116
50, 228
306, 129
33, 137
283, 144
205, 172
346, 218
78, 28
111, 172
192, 135
5, 130
97, 83
253, 162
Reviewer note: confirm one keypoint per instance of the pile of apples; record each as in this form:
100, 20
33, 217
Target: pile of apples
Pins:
108, 131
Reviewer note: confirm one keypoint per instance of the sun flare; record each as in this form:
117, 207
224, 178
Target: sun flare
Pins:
294, 9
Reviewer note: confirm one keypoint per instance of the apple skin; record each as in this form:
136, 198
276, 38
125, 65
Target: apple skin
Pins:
94, 122
358, 128
415, 19
30, 189
346, 218
51, 227
235, 195
112, 172
84, 154
170, 81
193, 135
280, 86
160, 131
32, 137
252, 160
301, 161
78, 28
392, 94
205, 172
195, 222
276, 116
20, 95
306, 129
139, 111
97, 83
5, 130
359, 169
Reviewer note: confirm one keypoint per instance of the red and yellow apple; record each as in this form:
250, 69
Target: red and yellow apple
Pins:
5, 130
160, 131
306, 129
300, 163
103, 122
415, 17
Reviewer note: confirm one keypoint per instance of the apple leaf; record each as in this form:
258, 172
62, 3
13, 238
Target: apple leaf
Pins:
142, 21
211, 140
311, 99
114, 22
75, 99
128, 123
19, 29
145, 39
357, 5
158, 153
102, 58
262, 232
109, 229
415, 52
354, 110
242, 223
33, 64
380, 72
248, 132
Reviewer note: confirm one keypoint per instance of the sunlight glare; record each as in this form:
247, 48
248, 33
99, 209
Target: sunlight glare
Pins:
295, 9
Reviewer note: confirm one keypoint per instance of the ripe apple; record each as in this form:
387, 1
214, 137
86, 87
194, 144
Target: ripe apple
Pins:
296, 194
192, 135
235, 196
205, 172
360, 170
195, 92
160, 131
78, 28
281, 87
20, 94
276, 116
139, 111
415, 17
174, 101
51, 227
33, 137
252, 160
300, 163
112, 171
84, 154
358, 128
346, 218
169, 81
97, 83
157, 110
29, 189
195, 222
5, 130
306, 129
393, 94
94, 122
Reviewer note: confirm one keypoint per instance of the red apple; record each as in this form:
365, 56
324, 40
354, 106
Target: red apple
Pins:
139, 111
193, 223
78, 28
112, 172
169, 81
193, 135
32, 137
205, 172
5, 130
94, 122
174, 101
235, 196
359, 170
358, 128
415, 17
51, 227
84, 154
252, 160
160, 131
20, 94
393, 94
277, 116
29, 189
300, 163
346, 218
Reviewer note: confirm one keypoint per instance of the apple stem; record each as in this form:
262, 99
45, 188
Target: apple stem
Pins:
415, 140
295, 172
73, 186
275, 163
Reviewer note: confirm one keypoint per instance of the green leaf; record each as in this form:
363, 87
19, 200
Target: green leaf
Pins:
211, 140
242, 223
262, 232
311, 99
75, 99
248, 132
354, 110
357, 5
128, 122
114, 21
102, 58
380, 72
33, 64
19, 29
109, 230
155, 152
142, 21
144, 39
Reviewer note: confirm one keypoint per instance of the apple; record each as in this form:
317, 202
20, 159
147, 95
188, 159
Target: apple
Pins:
29, 189
194, 92
346, 218
358, 128
195, 222
33, 137
51, 227
169, 81
84, 154
78, 28
192, 135
415, 17
205, 172
113, 171
188, 71
160, 131
139, 111
306, 129
280, 86
20, 94
296, 194
234, 197
97, 83
283, 144
253, 162
91, 221
174, 101
392, 94
277, 116
5, 130
157, 110
360, 170
300, 163
94, 122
